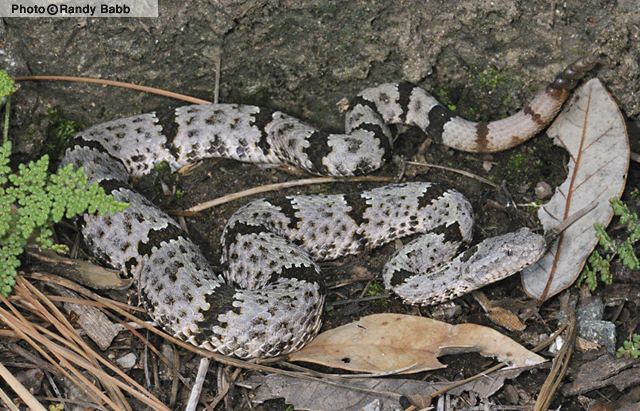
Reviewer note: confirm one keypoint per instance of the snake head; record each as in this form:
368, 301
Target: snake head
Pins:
524, 245
501, 256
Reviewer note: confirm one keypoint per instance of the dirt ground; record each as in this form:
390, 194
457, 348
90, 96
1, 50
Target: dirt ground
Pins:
483, 59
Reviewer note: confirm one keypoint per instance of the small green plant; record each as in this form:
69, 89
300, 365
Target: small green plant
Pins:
7, 86
56, 407
630, 348
490, 78
374, 289
33, 199
443, 96
517, 161
598, 265
60, 132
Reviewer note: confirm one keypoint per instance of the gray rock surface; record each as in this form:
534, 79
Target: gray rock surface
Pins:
485, 58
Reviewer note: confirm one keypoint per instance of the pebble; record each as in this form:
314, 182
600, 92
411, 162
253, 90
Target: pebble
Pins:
511, 394
127, 361
543, 190
446, 311
591, 326
557, 344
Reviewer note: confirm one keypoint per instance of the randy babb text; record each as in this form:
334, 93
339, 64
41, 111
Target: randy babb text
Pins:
55, 9
78, 8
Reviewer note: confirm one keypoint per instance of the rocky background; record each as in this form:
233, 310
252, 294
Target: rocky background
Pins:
482, 57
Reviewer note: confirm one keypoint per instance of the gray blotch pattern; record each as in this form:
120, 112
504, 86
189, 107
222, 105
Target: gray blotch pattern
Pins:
269, 296
221, 130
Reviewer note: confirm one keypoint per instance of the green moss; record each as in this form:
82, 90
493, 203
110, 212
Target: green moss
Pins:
520, 167
162, 168
490, 78
60, 132
517, 161
62, 128
444, 98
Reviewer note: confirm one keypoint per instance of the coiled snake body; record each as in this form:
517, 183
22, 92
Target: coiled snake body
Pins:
269, 299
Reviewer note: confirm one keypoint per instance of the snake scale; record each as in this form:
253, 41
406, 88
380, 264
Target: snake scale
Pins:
269, 298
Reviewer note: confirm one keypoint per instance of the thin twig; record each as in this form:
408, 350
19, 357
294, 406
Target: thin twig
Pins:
27, 332
84, 404
6, 400
24, 394
53, 315
554, 232
215, 356
145, 368
7, 115
76, 352
216, 84
363, 375
113, 83
81, 301
194, 397
175, 371
223, 393
455, 170
560, 364
274, 187
53, 385
359, 300
33, 359
344, 283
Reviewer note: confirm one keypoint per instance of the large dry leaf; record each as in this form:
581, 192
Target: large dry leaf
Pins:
357, 393
407, 344
592, 129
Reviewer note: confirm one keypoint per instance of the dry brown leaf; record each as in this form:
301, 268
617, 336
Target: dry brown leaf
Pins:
406, 344
357, 393
592, 129
498, 315
505, 318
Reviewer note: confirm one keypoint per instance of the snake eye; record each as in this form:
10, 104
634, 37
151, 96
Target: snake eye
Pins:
509, 252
